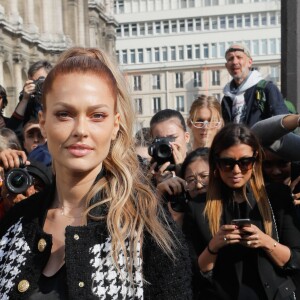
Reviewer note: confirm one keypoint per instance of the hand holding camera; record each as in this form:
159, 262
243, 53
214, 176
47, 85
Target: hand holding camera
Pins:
33, 89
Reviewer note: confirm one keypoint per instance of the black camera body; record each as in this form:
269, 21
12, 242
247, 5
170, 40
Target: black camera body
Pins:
178, 202
37, 95
161, 150
18, 180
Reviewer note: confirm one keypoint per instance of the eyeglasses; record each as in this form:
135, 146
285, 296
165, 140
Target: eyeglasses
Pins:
192, 181
206, 124
227, 164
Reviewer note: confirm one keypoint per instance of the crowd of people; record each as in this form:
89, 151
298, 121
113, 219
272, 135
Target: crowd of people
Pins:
202, 208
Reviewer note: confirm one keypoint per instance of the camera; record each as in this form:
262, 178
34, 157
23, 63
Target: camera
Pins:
161, 150
18, 180
178, 202
37, 95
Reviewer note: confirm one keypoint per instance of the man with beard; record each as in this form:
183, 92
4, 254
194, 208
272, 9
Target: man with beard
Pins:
247, 97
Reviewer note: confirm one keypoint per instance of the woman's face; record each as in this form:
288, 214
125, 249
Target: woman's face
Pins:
196, 176
80, 122
236, 176
203, 136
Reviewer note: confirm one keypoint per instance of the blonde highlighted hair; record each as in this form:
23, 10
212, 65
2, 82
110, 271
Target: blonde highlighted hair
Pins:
132, 207
228, 136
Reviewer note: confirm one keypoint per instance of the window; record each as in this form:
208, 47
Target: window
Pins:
182, 25
264, 47
156, 104
230, 22
198, 24
206, 23
137, 83
264, 19
273, 18
180, 52
149, 54
255, 47
223, 22
118, 56
126, 29
166, 26
119, 6
197, 51
173, 53
134, 29
142, 29
215, 77
150, 28
211, 2
156, 54
197, 79
239, 21
174, 25
272, 46
179, 80
132, 56
138, 105
189, 51
222, 50
213, 50
140, 55
275, 74
191, 3
214, 23
157, 27
118, 32
190, 24
247, 20
205, 51
183, 3
180, 103
124, 57
255, 20
164, 53
156, 82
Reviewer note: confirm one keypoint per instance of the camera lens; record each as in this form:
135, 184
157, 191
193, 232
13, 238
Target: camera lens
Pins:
18, 180
164, 151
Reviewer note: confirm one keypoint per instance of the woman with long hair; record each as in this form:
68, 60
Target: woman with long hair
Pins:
204, 121
99, 231
246, 248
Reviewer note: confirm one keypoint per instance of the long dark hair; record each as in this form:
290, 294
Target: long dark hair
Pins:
228, 136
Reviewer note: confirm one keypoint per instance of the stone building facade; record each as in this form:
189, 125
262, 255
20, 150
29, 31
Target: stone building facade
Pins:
31, 30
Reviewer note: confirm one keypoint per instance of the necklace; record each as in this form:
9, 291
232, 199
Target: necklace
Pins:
63, 213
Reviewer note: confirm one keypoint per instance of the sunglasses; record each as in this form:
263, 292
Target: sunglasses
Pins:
227, 164
206, 124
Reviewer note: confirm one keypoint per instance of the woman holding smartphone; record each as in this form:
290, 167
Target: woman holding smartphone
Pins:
239, 261
98, 232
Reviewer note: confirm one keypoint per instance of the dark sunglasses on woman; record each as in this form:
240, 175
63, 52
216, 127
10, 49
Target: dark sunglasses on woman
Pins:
227, 164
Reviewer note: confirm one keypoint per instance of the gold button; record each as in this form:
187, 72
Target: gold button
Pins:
76, 237
81, 284
23, 286
42, 245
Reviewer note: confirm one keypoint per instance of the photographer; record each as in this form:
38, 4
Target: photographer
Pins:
30, 97
20, 180
170, 144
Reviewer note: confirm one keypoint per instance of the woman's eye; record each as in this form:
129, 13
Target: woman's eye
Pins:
98, 116
62, 114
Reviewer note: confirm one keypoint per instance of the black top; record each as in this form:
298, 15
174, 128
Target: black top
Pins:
52, 287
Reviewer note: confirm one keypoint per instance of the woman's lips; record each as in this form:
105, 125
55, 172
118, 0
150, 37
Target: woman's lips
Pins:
79, 150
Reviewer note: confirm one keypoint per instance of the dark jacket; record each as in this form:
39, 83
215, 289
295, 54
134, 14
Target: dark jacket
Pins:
23, 257
274, 105
225, 282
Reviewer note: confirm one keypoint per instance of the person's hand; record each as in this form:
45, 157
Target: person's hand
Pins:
28, 89
295, 196
10, 158
177, 153
253, 237
227, 235
10, 199
162, 173
173, 186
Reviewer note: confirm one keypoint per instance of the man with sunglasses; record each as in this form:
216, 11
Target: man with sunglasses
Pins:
247, 97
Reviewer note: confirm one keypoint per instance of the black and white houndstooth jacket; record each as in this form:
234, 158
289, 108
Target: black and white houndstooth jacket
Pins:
25, 249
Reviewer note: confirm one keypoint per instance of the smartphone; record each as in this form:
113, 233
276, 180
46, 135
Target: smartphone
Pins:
241, 222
